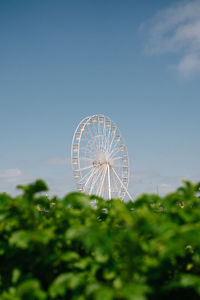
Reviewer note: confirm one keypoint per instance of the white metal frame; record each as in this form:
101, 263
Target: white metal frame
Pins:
99, 158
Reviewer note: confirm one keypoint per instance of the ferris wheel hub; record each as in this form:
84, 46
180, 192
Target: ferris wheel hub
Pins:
102, 158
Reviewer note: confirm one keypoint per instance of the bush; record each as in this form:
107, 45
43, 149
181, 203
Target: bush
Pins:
67, 249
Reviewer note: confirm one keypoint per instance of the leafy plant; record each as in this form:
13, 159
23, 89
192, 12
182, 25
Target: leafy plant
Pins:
68, 249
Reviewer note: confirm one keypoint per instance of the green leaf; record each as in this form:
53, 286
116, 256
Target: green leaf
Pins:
15, 275
59, 286
20, 239
31, 290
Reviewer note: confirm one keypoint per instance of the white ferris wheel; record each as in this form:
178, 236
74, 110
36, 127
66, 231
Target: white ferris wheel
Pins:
99, 158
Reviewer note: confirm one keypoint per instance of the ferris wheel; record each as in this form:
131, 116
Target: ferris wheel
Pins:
99, 158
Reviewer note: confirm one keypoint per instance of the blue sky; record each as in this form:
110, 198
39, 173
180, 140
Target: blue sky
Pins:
135, 61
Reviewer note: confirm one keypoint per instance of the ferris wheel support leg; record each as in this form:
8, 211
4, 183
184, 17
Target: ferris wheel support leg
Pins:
100, 179
103, 181
122, 184
115, 183
109, 189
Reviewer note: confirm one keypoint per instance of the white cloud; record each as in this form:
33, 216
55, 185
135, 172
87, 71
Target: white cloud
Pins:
58, 161
9, 176
189, 65
192, 177
141, 175
10, 173
150, 181
165, 188
177, 30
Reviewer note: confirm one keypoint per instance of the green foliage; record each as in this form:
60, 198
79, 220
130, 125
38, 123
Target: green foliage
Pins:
68, 249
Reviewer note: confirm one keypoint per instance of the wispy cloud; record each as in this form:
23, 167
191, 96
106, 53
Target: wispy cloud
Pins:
176, 29
151, 181
58, 161
143, 175
10, 173
9, 177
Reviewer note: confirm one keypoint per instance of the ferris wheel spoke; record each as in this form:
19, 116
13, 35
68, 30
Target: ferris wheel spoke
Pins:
85, 158
105, 141
114, 142
99, 134
115, 183
100, 137
101, 173
100, 178
102, 181
116, 158
115, 148
117, 166
93, 128
88, 155
92, 176
101, 142
107, 136
104, 135
122, 183
108, 139
86, 149
96, 137
88, 142
85, 168
114, 153
86, 175
93, 171
92, 136
103, 178
93, 183
109, 147
109, 189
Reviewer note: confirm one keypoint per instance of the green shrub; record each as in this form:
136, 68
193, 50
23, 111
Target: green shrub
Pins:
67, 249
